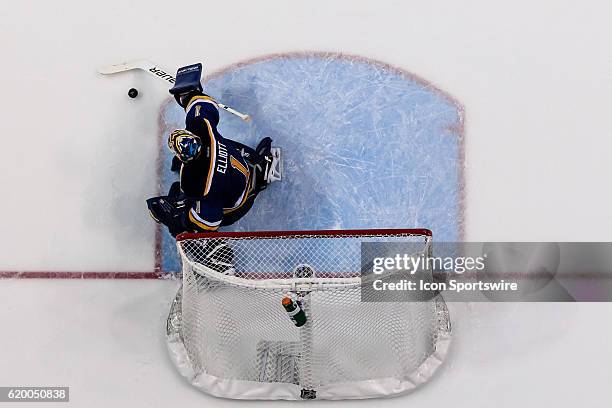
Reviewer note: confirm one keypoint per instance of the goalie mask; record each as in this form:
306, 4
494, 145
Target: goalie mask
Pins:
185, 145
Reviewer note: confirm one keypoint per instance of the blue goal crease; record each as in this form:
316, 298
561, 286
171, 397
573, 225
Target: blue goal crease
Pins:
363, 146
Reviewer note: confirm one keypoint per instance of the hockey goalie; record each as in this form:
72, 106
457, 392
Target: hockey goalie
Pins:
219, 177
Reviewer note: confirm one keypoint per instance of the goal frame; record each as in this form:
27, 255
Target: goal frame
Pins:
243, 389
352, 278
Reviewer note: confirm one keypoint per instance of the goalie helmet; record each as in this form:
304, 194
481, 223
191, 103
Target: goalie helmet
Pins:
185, 145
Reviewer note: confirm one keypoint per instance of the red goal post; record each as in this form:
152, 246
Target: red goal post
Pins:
322, 233
331, 253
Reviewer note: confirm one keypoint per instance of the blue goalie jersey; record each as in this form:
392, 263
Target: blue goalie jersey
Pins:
219, 181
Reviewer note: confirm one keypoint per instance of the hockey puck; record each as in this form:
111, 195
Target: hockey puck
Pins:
133, 92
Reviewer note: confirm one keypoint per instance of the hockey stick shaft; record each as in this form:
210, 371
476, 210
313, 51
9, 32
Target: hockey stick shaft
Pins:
153, 69
233, 111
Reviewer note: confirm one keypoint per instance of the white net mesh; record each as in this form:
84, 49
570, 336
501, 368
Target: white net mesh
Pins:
232, 337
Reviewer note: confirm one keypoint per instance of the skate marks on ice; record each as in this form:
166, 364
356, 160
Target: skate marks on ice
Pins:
365, 145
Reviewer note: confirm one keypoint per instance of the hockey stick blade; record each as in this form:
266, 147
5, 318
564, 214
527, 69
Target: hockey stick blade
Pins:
124, 66
144, 65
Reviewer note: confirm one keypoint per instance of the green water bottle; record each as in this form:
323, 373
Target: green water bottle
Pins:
295, 311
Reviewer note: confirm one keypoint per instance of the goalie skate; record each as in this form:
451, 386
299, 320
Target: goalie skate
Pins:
274, 166
269, 169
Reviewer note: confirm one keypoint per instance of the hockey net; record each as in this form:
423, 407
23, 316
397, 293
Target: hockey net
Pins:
229, 335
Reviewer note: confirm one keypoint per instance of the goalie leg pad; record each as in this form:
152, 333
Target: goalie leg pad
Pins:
220, 257
264, 146
215, 254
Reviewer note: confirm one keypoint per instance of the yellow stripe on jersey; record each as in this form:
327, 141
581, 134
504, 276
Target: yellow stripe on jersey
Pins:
229, 210
213, 157
199, 98
250, 187
239, 166
201, 224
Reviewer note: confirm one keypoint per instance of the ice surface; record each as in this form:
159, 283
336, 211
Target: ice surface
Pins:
537, 87
364, 145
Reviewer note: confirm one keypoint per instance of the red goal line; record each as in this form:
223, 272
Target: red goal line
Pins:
80, 275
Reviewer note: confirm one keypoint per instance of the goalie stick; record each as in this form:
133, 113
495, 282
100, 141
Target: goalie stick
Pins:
153, 69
